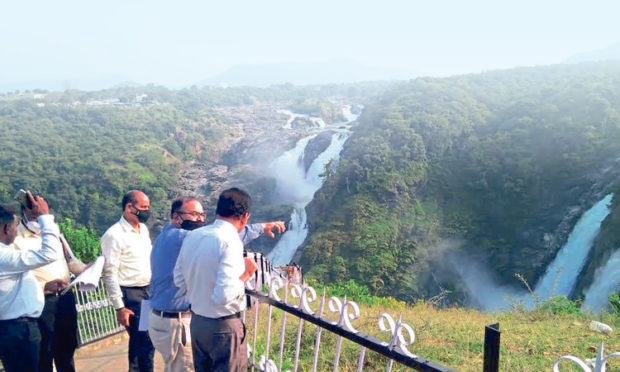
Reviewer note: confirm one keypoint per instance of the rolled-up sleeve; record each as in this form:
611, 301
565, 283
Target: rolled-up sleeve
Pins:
111, 250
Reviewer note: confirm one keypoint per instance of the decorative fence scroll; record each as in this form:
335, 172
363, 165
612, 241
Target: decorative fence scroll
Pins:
299, 301
597, 364
97, 320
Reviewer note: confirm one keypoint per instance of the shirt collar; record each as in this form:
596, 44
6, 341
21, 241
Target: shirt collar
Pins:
127, 226
225, 225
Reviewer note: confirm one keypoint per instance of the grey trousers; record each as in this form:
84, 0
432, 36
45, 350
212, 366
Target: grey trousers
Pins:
218, 344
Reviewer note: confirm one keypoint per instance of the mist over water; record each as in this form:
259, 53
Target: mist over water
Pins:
560, 277
484, 291
297, 187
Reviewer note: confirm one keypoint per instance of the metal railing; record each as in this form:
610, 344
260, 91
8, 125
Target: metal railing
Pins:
269, 285
96, 315
598, 364
97, 320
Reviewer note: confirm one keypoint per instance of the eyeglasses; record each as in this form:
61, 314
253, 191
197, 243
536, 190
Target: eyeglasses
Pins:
193, 214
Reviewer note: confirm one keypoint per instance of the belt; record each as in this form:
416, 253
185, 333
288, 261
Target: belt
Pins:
231, 316
225, 317
135, 287
166, 314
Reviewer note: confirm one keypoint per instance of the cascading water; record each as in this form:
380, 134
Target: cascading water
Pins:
606, 280
297, 187
561, 275
292, 116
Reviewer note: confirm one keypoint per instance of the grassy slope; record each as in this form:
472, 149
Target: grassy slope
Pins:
530, 340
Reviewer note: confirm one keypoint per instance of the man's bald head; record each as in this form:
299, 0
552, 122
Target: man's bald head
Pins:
133, 197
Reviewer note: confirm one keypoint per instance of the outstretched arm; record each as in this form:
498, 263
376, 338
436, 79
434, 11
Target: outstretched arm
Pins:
253, 231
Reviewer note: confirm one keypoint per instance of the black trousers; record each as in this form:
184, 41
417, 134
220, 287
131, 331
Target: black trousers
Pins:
219, 345
141, 350
19, 344
58, 326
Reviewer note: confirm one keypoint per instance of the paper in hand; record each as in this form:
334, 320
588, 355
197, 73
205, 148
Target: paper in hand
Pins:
89, 278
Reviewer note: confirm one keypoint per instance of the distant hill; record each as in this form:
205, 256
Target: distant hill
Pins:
612, 52
263, 75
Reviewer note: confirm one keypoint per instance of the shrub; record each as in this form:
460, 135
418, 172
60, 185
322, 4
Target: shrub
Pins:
614, 303
85, 243
560, 305
356, 292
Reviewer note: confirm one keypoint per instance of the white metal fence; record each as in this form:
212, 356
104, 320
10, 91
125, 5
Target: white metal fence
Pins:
296, 301
96, 315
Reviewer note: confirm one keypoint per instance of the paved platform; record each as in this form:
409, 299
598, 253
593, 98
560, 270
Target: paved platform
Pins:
109, 355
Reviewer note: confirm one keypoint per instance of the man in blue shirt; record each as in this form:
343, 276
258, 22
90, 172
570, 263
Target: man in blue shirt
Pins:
170, 319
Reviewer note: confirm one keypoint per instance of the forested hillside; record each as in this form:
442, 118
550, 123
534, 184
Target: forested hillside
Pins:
495, 166
84, 158
83, 150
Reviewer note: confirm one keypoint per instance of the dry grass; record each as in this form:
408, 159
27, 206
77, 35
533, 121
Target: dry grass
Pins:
530, 340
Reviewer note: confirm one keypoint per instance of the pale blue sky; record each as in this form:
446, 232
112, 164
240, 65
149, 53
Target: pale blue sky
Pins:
178, 43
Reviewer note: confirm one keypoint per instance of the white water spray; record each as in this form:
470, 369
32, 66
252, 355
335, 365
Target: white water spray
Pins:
297, 187
561, 275
606, 281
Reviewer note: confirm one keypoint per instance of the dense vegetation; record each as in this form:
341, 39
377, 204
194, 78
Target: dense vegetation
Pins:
84, 158
83, 150
495, 160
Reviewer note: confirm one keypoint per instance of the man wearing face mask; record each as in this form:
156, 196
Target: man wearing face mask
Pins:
58, 321
126, 246
170, 319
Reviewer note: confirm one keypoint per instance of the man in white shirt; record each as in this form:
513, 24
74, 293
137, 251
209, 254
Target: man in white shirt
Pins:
169, 321
212, 270
21, 297
126, 246
58, 321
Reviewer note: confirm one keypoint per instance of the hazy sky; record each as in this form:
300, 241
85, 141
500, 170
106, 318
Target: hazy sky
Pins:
178, 43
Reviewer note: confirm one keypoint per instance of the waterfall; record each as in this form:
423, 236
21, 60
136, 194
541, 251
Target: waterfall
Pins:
296, 233
606, 281
316, 121
297, 187
561, 275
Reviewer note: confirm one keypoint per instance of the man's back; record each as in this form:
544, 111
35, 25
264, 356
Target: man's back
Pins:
211, 262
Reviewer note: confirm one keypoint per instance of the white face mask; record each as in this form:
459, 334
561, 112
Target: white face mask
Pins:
34, 227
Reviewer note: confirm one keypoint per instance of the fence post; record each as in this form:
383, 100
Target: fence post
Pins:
248, 299
262, 271
491, 348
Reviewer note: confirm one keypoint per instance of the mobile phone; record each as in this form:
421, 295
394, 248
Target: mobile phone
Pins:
22, 198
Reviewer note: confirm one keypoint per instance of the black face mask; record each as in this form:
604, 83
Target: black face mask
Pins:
143, 216
192, 225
